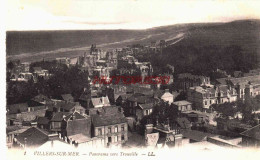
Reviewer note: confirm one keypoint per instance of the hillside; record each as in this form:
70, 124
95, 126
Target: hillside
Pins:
229, 46
35, 45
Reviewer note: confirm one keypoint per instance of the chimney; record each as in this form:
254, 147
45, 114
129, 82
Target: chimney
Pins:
52, 143
103, 100
25, 142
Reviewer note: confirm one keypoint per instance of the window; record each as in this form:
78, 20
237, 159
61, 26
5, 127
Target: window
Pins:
109, 139
116, 129
99, 131
122, 137
109, 130
122, 128
205, 102
209, 101
116, 139
146, 112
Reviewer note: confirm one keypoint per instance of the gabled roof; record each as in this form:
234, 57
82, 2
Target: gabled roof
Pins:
125, 96
76, 116
33, 136
253, 132
222, 81
17, 129
111, 116
42, 120
59, 116
100, 101
166, 95
67, 97
73, 61
85, 96
181, 103
67, 106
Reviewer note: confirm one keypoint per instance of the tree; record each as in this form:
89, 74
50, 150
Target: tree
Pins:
226, 109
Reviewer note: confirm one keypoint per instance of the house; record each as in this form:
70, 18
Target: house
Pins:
119, 90
25, 117
251, 137
144, 110
12, 132
84, 99
201, 97
225, 94
196, 117
168, 134
93, 100
186, 80
23, 76
63, 60
122, 99
110, 124
166, 96
31, 138
73, 61
76, 129
240, 84
204, 97
183, 105
56, 121
78, 108
136, 99
99, 102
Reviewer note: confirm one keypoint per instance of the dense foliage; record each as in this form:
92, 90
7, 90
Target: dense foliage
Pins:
63, 81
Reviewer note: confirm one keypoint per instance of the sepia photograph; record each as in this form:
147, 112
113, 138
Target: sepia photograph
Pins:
131, 79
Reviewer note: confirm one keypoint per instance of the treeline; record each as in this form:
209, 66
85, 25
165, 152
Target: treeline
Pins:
203, 60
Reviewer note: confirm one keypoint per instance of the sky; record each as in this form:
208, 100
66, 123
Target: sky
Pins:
123, 14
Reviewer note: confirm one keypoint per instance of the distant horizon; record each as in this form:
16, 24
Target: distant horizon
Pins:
129, 29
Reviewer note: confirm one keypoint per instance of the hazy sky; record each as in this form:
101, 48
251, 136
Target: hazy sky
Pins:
123, 14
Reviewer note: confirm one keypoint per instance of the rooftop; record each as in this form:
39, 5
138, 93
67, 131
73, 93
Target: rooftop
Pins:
110, 116
33, 137
253, 132
182, 103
